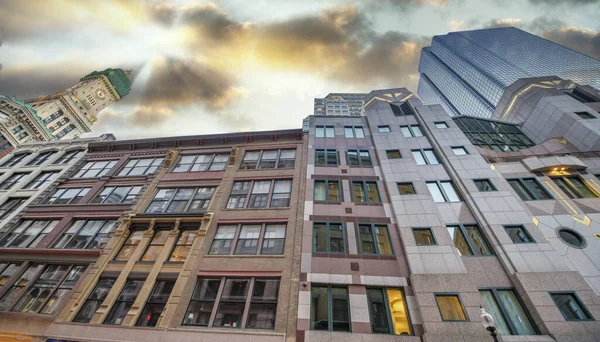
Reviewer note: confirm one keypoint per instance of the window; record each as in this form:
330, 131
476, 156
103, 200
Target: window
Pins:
425, 157
85, 234
365, 192
124, 302
411, 131
184, 242
156, 303
95, 169
585, 115
161, 234
574, 187
401, 109
269, 159
13, 179
325, 132
329, 309
135, 236
278, 191
508, 312
201, 162
354, 132
7, 271
441, 124
40, 158
15, 159
571, 237
230, 309
374, 239
443, 191
328, 238
138, 167
484, 185
468, 240
424, 236
518, 234
459, 151
185, 200
249, 239
96, 297
10, 206
359, 158
327, 191
406, 189
16, 290
384, 129
451, 307
393, 154
117, 194
326, 157
388, 311
68, 157
570, 306
68, 196
28, 233
40, 180
529, 189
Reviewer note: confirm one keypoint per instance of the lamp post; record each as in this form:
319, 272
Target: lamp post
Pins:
488, 322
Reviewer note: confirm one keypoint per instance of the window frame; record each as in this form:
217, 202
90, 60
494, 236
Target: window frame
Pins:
328, 238
489, 182
504, 311
261, 238
412, 185
97, 199
387, 154
424, 156
364, 184
375, 239
354, 129
359, 158
411, 131
81, 171
146, 172
460, 148
384, 129
507, 227
98, 233
158, 229
184, 227
326, 152
14, 179
188, 204
388, 313
573, 190
577, 300
40, 158
4, 243
16, 203
276, 166
435, 242
67, 157
462, 305
474, 251
525, 187
118, 301
325, 129
330, 322
39, 181
209, 164
585, 115
248, 194
443, 191
141, 228
326, 181
74, 200
151, 300
439, 123
15, 159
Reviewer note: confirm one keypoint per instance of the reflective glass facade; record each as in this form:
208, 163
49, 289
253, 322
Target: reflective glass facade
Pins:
467, 72
493, 135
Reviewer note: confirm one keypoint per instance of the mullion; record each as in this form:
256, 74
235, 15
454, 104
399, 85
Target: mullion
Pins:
189, 202
504, 312
244, 319
375, 240
261, 238
236, 237
277, 158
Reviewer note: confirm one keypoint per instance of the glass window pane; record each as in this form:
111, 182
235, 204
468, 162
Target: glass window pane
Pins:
520, 190
477, 240
431, 158
493, 309
405, 131
516, 313
569, 306
340, 320
320, 237
423, 236
384, 243
359, 132
399, 312
329, 132
333, 191
450, 308
336, 238
536, 189
459, 241
416, 131
419, 157
320, 191
319, 308
261, 316
450, 191
436, 192
348, 132
378, 311
367, 245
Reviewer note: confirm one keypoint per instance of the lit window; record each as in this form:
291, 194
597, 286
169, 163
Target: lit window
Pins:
388, 311
574, 187
365, 192
450, 307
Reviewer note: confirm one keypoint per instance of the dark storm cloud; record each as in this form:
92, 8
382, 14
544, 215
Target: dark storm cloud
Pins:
209, 21
38, 81
164, 13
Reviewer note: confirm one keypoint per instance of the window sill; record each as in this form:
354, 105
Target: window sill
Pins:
237, 209
327, 202
243, 256
278, 168
378, 204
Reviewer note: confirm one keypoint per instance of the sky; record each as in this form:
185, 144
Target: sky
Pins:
201, 67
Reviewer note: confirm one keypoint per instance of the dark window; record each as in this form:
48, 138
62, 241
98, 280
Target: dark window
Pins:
10, 206
15, 159
40, 158
27, 233
574, 187
156, 303
7, 270
40, 180
374, 239
325, 157
68, 196
161, 234
183, 200
68, 157
328, 238
182, 247
13, 179
354, 132
441, 124
384, 129
484, 185
324, 132
406, 189
359, 158
249, 239
95, 168
264, 193
393, 154
138, 167
571, 307
443, 191
17, 288
518, 234
411, 131
85, 234
365, 192
328, 191
425, 157
459, 151
571, 237
468, 240
450, 307
269, 159
585, 115
388, 311
401, 109
117, 194
424, 236
202, 162
510, 315
529, 189
329, 308
124, 302
128, 248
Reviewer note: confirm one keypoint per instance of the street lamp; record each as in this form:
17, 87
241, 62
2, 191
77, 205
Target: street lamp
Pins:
488, 322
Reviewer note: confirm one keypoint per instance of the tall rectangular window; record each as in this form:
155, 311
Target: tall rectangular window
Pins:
155, 303
12, 180
508, 312
85, 234
184, 242
124, 302
443, 191
327, 191
140, 166
425, 157
388, 311
571, 307
282, 191
41, 180
269, 159
529, 189
202, 162
161, 234
518, 234
68, 196
182, 200
8, 270
265, 193
354, 132
468, 240
359, 158
324, 132
40, 158
17, 288
374, 239
239, 192
329, 308
574, 187
133, 240
117, 194
11, 204
15, 159
68, 157
328, 237
249, 239
95, 169
28, 233
365, 192
450, 307
411, 131
325, 157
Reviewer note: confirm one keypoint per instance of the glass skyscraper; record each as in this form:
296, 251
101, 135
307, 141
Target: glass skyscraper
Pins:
468, 71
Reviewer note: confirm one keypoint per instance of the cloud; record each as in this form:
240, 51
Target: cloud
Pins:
409, 4
164, 13
33, 81
208, 21
456, 25
563, 2
516, 22
150, 115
